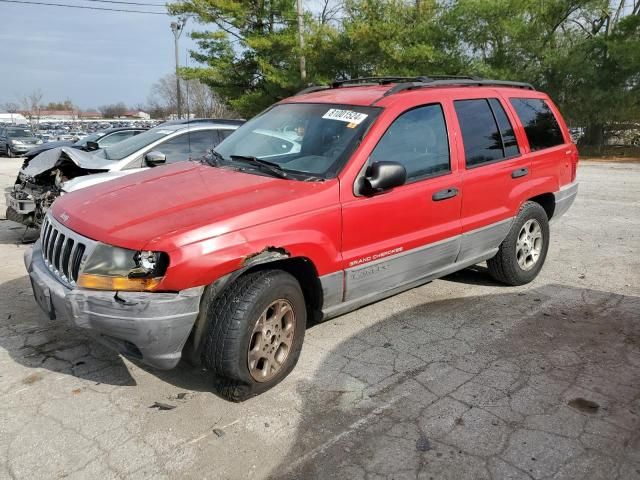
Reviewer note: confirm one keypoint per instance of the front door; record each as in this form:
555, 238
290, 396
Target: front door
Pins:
403, 235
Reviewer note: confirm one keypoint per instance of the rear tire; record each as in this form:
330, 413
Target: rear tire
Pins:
9, 152
255, 333
522, 253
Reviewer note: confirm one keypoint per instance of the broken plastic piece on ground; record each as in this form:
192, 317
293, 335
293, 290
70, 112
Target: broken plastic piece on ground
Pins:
162, 406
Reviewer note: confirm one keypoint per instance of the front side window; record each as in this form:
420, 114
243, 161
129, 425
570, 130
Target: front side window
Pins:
418, 140
188, 145
539, 123
308, 139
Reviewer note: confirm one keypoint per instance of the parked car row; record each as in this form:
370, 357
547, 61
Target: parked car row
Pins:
49, 172
327, 201
94, 141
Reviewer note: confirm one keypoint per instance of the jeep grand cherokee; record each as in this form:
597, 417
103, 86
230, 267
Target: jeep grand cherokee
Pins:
327, 201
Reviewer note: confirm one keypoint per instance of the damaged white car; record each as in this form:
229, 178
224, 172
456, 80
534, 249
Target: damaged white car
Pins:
54, 172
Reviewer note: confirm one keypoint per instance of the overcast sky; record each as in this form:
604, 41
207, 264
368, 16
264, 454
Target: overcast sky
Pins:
91, 57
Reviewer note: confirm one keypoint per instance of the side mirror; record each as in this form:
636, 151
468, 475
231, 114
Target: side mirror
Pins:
155, 158
92, 146
382, 176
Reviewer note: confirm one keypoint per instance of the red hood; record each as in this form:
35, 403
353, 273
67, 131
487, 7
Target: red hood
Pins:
163, 208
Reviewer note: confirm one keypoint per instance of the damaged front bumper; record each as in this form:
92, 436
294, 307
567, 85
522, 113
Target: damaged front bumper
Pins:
19, 202
151, 327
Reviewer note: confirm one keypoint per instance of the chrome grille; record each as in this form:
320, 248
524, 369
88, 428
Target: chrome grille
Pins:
63, 250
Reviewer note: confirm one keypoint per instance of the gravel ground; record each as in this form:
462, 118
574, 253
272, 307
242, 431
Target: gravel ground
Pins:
461, 378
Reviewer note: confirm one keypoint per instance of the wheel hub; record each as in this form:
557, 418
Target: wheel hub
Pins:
529, 244
271, 340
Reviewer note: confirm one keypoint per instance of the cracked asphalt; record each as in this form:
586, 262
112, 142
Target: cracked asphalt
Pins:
458, 379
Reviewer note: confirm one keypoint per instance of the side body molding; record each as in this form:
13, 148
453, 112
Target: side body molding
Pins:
355, 287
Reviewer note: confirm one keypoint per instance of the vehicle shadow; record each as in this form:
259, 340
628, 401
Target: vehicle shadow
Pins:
16, 234
493, 386
474, 275
34, 341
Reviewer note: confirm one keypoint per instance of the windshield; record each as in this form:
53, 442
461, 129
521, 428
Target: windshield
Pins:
302, 138
89, 138
19, 132
131, 145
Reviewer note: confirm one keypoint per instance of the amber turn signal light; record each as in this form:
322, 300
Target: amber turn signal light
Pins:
103, 282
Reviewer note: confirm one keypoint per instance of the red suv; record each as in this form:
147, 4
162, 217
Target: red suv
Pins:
327, 201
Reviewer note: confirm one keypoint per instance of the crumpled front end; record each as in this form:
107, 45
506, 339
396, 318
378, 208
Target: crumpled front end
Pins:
40, 182
151, 327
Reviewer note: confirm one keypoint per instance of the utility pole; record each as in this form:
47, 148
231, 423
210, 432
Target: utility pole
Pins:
176, 28
303, 65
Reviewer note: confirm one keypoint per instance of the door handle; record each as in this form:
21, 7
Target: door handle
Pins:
519, 172
444, 194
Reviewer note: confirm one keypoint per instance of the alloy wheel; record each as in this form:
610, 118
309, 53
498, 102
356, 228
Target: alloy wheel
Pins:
529, 244
271, 340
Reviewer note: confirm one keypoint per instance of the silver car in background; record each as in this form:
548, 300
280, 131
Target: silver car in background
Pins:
60, 170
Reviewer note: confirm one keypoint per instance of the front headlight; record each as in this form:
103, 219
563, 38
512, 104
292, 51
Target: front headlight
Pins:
39, 142
16, 142
114, 268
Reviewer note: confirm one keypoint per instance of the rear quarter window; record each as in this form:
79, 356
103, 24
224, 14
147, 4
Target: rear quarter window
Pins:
540, 125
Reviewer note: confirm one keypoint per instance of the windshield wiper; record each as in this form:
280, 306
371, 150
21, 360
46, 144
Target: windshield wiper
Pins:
271, 167
213, 158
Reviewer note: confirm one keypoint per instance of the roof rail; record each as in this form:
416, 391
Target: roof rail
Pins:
422, 81
312, 88
376, 80
461, 81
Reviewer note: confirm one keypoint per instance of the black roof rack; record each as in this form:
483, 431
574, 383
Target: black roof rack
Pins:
422, 81
313, 88
469, 81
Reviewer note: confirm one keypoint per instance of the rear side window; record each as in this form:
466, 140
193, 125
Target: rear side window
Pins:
509, 142
539, 123
418, 140
487, 133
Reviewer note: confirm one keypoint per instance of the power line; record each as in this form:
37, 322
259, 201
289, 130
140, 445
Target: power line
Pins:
26, 2
130, 3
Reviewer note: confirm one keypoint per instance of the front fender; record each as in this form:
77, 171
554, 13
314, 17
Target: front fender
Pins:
314, 236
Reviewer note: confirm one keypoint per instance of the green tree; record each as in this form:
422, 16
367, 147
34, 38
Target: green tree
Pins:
585, 53
251, 59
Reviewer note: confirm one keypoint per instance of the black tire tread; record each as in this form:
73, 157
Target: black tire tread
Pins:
227, 309
502, 267
227, 313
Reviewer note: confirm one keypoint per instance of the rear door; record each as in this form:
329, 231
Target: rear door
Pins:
409, 232
494, 170
552, 154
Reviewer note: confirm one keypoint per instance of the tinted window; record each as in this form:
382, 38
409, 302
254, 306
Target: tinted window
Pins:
480, 134
418, 140
539, 123
509, 142
189, 145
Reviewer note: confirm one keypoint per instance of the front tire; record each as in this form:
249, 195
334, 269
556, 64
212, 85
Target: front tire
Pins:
255, 333
522, 253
